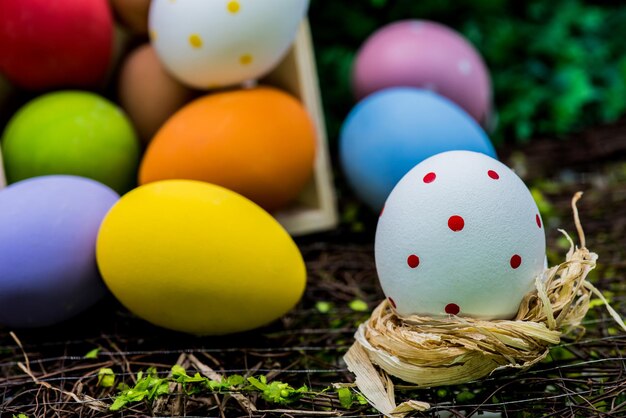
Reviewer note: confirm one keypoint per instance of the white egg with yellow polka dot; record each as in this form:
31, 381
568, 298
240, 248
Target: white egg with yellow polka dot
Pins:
216, 43
460, 234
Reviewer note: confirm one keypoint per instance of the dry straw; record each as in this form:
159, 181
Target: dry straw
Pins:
451, 350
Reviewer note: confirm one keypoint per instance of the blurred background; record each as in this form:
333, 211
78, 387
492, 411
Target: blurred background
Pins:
556, 66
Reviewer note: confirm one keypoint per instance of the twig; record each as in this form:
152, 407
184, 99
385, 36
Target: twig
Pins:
213, 375
25, 367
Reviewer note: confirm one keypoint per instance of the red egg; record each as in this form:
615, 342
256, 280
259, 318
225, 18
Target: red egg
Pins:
49, 44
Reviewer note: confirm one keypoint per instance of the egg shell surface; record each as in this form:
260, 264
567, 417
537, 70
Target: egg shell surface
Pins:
72, 132
51, 44
198, 258
208, 44
148, 94
390, 131
257, 142
459, 234
48, 229
420, 53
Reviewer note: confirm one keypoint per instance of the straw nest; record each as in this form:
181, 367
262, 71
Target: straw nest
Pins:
451, 350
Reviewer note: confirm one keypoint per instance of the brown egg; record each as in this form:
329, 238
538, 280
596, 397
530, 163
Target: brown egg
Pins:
148, 93
133, 13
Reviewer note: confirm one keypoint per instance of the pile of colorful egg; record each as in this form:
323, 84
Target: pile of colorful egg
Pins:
455, 223
190, 244
423, 90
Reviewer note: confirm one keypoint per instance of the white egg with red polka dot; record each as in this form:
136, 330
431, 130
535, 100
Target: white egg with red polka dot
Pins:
460, 234
209, 44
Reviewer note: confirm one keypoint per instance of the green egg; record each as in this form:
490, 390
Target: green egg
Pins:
72, 132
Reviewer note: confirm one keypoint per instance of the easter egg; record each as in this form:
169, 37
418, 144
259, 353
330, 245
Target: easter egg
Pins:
62, 43
419, 53
460, 234
392, 130
71, 132
208, 44
148, 93
257, 142
48, 229
198, 258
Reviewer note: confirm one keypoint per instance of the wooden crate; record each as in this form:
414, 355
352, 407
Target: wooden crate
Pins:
6, 93
315, 208
3, 181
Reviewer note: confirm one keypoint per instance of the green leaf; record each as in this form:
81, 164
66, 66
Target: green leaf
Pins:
345, 397
119, 403
20, 416
234, 380
465, 396
257, 383
323, 307
179, 374
594, 303
93, 353
149, 386
276, 392
106, 377
358, 305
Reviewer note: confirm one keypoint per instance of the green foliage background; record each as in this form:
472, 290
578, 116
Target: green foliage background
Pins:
557, 65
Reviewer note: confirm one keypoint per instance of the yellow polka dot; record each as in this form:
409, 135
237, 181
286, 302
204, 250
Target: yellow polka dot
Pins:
245, 59
153, 35
195, 40
233, 6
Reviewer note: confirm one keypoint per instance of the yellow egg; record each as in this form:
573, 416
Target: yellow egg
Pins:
198, 258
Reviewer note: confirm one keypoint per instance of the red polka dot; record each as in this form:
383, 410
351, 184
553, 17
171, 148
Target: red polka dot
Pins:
382, 210
413, 261
493, 174
430, 177
452, 309
393, 303
538, 220
516, 261
456, 223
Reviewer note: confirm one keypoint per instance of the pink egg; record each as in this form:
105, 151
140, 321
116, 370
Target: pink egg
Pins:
419, 53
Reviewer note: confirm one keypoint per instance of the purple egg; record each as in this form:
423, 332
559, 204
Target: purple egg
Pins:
420, 53
48, 230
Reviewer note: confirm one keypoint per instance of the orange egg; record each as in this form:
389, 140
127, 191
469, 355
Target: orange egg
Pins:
258, 142
148, 93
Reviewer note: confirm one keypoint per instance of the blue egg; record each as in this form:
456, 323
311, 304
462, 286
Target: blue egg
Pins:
48, 231
391, 131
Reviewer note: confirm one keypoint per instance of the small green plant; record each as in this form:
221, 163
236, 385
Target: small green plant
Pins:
358, 305
149, 386
106, 378
347, 398
323, 307
277, 392
93, 354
